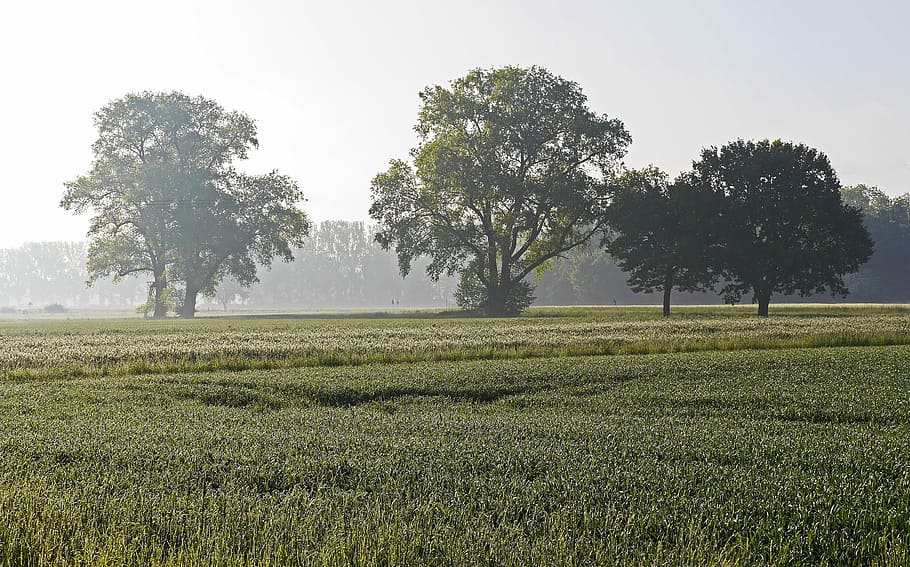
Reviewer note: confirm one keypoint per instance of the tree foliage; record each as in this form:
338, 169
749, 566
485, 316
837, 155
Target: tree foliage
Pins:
510, 172
661, 233
471, 294
249, 221
887, 219
783, 225
167, 200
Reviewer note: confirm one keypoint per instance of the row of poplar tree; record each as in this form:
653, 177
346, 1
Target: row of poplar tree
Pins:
338, 266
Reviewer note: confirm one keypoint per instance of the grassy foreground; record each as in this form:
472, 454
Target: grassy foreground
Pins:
732, 457
59, 349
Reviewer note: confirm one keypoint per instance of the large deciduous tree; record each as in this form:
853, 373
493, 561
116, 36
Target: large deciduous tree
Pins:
243, 222
511, 171
167, 200
783, 225
661, 233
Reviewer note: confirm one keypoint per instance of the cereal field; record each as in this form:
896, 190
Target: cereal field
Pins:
571, 436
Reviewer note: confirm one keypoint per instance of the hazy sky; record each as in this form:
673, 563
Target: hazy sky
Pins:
333, 85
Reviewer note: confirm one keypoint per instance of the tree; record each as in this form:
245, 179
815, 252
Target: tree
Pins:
230, 291
885, 276
660, 233
167, 200
511, 171
238, 224
129, 230
783, 227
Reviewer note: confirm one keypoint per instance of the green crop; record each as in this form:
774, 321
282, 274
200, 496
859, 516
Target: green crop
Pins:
91, 348
795, 456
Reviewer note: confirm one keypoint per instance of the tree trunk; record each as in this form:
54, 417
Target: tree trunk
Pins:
496, 302
668, 289
763, 300
160, 285
189, 303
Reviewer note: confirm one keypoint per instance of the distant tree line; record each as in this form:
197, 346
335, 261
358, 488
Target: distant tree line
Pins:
38, 274
886, 276
513, 176
339, 266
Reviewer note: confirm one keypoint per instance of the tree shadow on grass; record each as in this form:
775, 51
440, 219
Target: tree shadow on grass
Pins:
350, 397
242, 396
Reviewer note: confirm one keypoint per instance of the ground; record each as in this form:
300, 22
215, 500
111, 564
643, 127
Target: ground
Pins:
571, 436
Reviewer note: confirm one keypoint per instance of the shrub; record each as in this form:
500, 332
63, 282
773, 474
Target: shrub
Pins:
472, 295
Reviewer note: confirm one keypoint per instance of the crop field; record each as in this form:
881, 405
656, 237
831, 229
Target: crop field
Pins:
104, 347
573, 436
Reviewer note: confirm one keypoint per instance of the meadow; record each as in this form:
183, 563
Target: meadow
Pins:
572, 436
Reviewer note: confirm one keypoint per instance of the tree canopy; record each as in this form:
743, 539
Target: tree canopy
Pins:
511, 170
783, 225
661, 233
245, 221
167, 200
887, 219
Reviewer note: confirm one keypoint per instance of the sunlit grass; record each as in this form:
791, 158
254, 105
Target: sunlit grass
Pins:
712, 437
793, 456
94, 348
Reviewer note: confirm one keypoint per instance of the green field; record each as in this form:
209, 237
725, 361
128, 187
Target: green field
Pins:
575, 436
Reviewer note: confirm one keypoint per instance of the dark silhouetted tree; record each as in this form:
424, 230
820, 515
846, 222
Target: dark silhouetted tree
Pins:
661, 233
783, 227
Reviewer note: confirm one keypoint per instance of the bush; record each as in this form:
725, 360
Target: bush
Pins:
471, 295
55, 308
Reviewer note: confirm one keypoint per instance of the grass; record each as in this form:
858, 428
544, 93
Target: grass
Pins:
771, 456
98, 348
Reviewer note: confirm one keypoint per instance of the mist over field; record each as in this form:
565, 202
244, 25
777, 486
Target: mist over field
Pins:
342, 268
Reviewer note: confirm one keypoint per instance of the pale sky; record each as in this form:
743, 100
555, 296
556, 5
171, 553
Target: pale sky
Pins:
333, 85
